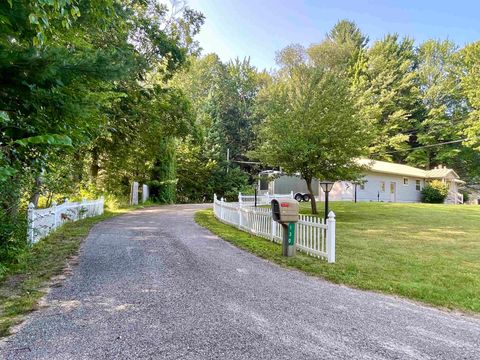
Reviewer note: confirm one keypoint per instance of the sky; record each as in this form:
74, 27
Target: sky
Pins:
258, 29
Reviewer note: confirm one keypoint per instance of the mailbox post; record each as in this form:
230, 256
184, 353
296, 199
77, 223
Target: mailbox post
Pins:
285, 212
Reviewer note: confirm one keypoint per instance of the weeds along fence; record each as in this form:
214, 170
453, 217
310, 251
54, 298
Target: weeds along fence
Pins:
42, 222
313, 235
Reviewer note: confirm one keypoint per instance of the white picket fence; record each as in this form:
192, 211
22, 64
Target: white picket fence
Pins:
249, 200
313, 235
41, 222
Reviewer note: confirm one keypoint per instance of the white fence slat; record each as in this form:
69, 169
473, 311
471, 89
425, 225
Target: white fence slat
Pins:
314, 236
41, 222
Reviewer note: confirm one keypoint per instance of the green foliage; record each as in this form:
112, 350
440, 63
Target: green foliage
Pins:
442, 106
470, 73
84, 99
224, 100
311, 125
388, 93
435, 192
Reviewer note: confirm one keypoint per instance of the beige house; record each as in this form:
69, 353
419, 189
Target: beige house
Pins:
391, 182
383, 181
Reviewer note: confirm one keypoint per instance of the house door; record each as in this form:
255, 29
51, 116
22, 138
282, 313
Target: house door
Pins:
393, 191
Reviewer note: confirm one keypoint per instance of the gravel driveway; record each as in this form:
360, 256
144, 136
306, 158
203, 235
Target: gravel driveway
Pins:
152, 284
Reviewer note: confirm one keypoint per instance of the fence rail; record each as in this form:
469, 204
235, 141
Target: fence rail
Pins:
41, 222
248, 200
313, 235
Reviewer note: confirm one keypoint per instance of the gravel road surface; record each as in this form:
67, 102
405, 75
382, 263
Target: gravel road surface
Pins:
152, 284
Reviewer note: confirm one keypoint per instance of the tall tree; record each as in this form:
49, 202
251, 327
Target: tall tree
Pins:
470, 73
311, 127
443, 109
389, 95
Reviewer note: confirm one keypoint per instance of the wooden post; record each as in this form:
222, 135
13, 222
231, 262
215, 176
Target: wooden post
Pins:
331, 237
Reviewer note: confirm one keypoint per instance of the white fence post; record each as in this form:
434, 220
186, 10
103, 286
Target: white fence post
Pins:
221, 208
31, 223
274, 229
102, 204
145, 193
239, 210
314, 236
41, 222
54, 210
331, 237
134, 194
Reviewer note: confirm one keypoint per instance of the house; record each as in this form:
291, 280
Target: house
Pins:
383, 181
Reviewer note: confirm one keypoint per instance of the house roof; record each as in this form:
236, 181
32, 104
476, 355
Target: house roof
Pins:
441, 173
392, 168
405, 170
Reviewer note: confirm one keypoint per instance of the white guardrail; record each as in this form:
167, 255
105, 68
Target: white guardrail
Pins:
42, 222
313, 235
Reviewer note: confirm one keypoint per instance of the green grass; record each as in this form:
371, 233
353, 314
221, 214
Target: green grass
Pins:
23, 285
429, 253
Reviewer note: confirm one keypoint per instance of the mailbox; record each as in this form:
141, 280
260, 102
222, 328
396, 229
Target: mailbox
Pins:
285, 210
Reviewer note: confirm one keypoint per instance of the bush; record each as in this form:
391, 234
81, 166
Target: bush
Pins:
466, 196
434, 192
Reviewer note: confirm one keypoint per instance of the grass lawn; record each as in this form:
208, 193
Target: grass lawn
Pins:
429, 253
24, 285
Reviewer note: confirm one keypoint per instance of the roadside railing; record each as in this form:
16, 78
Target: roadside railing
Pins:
42, 222
314, 236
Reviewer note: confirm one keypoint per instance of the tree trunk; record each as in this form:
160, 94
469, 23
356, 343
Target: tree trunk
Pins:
94, 167
78, 174
313, 202
36, 190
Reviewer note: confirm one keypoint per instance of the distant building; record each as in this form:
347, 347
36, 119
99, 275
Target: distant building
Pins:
383, 181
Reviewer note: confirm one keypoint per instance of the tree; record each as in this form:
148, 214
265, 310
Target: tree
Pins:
389, 95
86, 81
311, 127
470, 88
347, 32
442, 104
224, 99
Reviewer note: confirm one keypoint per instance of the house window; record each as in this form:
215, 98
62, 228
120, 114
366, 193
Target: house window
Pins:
362, 186
382, 186
405, 181
418, 185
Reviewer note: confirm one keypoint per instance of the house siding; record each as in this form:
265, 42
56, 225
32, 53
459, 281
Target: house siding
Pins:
404, 193
344, 190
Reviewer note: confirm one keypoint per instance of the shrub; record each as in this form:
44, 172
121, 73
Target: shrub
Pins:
434, 192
